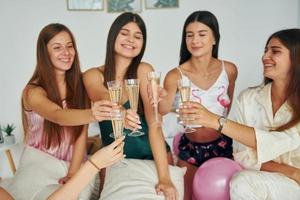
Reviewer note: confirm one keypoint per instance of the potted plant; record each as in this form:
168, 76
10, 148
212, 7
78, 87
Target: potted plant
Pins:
8, 129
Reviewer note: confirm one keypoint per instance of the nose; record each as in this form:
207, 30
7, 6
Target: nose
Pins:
66, 51
195, 39
130, 38
266, 55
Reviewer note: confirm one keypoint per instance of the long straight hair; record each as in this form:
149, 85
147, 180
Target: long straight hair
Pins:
110, 65
290, 38
44, 77
209, 20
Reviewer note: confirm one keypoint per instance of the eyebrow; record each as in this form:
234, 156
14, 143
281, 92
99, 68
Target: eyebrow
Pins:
273, 47
125, 29
276, 47
201, 31
57, 43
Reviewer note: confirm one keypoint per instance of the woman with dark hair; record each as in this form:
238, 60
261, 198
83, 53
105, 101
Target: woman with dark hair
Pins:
212, 84
267, 126
126, 44
55, 114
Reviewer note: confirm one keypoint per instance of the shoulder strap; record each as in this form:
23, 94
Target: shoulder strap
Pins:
180, 72
223, 65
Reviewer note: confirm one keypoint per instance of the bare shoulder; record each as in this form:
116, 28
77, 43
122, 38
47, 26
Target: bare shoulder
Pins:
145, 67
32, 92
173, 74
93, 73
231, 69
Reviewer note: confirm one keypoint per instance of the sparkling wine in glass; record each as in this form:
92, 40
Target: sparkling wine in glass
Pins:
115, 91
132, 88
154, 80
184, 87
115, 94
117, 120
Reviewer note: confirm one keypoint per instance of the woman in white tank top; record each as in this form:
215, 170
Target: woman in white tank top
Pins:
212, 85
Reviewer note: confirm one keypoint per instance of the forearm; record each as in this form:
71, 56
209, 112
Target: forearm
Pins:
79, 152
164, 107
272, 166
158, 148
241, 133
76, 184
72, 117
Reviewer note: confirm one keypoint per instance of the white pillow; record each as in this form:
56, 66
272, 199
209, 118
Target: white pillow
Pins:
37, 170
137, 181
171, 126
93, 129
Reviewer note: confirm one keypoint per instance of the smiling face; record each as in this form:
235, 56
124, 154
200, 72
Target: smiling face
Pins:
199, 39
61, 51
276, 61
129, 41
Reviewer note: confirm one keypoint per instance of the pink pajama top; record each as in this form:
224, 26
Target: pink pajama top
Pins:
36, 131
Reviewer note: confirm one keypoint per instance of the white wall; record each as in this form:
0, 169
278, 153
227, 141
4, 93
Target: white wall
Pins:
244, 25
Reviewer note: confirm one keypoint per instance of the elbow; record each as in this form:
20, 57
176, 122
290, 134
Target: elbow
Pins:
58, 119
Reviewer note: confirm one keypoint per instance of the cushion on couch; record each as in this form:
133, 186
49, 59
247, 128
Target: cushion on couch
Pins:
137, 181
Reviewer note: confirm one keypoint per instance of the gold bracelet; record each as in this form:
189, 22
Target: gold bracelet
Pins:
94, 164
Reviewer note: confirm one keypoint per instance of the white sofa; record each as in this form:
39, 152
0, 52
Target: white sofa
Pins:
136, 181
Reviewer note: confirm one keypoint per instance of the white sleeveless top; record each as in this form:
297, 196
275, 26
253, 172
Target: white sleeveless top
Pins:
215, 98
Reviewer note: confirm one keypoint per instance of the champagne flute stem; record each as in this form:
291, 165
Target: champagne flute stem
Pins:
156, 113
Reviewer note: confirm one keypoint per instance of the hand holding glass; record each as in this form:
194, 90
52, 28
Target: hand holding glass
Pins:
132, 88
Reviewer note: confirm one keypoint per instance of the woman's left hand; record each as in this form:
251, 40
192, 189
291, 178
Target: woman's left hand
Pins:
132, 120
168, 189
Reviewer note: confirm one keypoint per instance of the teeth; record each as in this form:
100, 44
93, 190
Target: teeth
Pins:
65, 60
128, 46
268, 65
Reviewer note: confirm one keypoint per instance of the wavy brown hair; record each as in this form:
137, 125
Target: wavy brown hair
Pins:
290, 38
44, 77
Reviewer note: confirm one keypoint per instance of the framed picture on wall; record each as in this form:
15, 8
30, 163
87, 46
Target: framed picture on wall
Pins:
124, 6
156, 4
85, 5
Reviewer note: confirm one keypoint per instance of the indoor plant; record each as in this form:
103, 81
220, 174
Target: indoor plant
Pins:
8, 129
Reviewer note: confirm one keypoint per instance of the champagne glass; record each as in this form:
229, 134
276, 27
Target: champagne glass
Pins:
184, 86
132, 88
115, 94
117, 121
115, 91
154, 80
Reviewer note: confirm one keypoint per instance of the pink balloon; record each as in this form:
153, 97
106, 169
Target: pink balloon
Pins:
176, 143
211, 180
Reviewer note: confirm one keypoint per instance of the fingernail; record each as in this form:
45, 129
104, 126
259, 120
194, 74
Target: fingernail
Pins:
124, 155
139, 127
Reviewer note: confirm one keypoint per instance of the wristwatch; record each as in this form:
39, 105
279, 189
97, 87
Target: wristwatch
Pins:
222, 120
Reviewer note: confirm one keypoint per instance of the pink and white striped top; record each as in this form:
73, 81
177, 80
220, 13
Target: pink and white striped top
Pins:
35, 139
